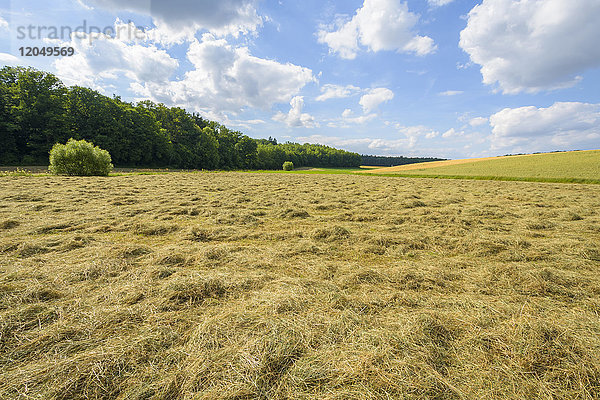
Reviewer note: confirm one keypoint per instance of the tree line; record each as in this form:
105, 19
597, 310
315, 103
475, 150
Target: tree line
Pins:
385, 161
37, 110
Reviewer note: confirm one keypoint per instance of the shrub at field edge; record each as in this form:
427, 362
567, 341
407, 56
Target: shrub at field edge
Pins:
79, 157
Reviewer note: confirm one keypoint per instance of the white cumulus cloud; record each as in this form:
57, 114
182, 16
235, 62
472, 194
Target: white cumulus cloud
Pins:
562, 126
533, 45
347, 118
478, 121
223, 78
330, 91
378, 25
374, 98
227, 78
103, 56
8, 59
452, 133
417, 131
295, 117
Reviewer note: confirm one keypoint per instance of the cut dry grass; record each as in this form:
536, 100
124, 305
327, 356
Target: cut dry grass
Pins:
274, 286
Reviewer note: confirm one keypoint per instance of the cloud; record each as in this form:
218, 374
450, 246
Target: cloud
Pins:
343, 41
387, 145
562, 126
295, 117
378, 25
83, 5
478, 121
439, 3
417, 131
363, 145
8, 59
374, 98
337, 92
529, 46
333, 140
167, 36
451, 93
452, 133
347, 118
404, 142
223, 78
227, 78
242, 124
220, 17
102, 56
369, 101
3, 23
360, 120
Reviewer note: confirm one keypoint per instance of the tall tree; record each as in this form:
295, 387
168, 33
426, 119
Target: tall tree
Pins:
246, 149
40, 112
9, 123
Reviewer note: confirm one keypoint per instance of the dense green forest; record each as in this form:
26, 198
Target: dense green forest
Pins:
384, 161
37, 110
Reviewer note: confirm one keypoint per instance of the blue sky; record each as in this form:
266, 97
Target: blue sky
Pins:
445, 78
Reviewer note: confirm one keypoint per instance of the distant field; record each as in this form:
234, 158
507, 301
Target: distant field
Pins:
236, 285
316, 171
574, 167
567, 166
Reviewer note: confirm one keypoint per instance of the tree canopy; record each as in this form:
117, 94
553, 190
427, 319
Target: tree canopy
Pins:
389, 161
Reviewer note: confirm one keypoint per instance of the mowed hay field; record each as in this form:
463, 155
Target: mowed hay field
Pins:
565, 166
287, 286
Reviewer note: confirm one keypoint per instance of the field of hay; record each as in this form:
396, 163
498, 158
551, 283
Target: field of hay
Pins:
290, 286
564, 166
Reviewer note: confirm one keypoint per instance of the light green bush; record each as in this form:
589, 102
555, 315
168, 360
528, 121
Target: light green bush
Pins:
288, 166
79, 157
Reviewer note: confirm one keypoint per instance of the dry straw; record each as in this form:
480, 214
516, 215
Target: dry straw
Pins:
249, 286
